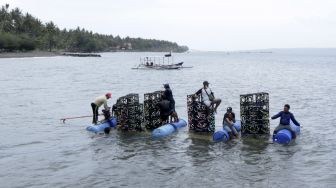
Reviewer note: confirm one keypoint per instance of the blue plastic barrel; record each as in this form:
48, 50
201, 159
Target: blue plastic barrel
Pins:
295, 128
285, 136
223, 135
237, 125
112, 122
168, 129
181, 123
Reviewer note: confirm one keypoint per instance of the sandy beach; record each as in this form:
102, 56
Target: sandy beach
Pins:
28, 54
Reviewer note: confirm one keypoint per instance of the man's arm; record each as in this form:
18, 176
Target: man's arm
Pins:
226, 119
166, 93
198, 92
229, 121
277, 115
294, 120
105, 105
212, 93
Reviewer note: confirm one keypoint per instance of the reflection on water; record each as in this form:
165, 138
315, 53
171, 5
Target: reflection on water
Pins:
200, 148
39, 151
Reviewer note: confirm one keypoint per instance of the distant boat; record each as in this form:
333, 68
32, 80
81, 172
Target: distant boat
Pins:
165, 62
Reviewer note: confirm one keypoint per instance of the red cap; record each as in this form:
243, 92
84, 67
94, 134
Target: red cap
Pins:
108, 95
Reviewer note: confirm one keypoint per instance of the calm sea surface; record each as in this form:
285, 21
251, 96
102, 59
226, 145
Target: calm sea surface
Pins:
37, 150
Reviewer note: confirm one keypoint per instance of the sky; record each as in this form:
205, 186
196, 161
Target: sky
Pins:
210, 25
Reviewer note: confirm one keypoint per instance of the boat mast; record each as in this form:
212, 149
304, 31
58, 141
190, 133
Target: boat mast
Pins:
172, 57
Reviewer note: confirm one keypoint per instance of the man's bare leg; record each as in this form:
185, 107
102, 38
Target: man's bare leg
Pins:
217, 103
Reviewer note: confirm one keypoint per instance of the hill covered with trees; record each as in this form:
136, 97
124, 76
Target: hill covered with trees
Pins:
23, 32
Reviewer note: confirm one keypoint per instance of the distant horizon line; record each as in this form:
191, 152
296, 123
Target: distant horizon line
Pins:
265, 49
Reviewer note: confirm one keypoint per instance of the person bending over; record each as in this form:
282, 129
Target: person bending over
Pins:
99, 101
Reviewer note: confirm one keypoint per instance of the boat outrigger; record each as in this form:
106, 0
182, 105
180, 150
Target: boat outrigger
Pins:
165, 62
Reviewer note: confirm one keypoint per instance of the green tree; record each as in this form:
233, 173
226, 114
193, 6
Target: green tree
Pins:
6, 24
51, 32
22, 31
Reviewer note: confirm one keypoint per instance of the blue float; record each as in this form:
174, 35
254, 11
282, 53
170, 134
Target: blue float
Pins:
110, 123
168, 129
223, 135
284, 136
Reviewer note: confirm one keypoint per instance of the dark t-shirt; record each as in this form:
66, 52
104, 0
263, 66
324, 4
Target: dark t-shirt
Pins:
285, 118
169, 95
164, 107
226, 115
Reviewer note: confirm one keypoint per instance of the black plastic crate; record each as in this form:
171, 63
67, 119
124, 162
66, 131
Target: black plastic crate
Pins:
129, 112
254, 113
198, 118
151, 114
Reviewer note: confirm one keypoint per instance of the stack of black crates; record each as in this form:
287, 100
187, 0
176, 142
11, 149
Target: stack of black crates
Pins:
129, 112
151, 114
200, 118
254, 113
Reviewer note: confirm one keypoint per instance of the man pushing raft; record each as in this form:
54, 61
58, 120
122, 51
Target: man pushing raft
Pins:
99, 101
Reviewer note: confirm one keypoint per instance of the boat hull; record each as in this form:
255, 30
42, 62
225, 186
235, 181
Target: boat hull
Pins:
160, 66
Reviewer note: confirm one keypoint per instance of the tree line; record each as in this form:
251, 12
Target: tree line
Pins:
23, 32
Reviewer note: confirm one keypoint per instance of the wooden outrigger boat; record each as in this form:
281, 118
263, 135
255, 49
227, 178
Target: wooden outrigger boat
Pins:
165, 62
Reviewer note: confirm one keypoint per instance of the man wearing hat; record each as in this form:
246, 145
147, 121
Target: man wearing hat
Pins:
101, 100
208, 97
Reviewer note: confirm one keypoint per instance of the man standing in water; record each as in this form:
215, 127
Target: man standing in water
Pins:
208, 97
285, 117
101, 100
169, 96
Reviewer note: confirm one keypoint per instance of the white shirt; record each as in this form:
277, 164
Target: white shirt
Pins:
100, 101
205, 96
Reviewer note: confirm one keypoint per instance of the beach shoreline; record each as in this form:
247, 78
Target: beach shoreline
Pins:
28, 54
